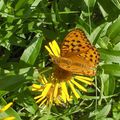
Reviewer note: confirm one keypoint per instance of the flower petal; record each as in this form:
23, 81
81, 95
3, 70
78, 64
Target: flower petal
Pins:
42, 102
57, 101
56, 90
51, 97
37, 97
47, 88
35, 86
54, 43
9, 118
83, 80
44, 80
54, 51
49, 50
78, 85
64, 89
63, 96
41, 99
6, 107
73, 90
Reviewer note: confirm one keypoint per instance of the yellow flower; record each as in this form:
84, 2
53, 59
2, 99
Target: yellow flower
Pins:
4, 109
51, 92
54, 89
54, 52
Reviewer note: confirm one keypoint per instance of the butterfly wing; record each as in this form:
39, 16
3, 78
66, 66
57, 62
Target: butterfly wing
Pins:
78, 55
92, 56
75, 42
76, 64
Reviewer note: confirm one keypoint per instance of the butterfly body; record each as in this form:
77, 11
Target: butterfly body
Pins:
78, 55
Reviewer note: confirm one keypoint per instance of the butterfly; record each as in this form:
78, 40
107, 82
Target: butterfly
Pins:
77, 54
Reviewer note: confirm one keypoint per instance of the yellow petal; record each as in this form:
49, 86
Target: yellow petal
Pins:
63, 96
9, 118
37, 97
6, 107
33, 89
73, 90
49, 50
78, 85
42, 102
47, 88
56, 90
39, 100
45, 80
35, 86
54, 51
64, 88
42, 79
85, 78
51, 98
54, 43
57, 101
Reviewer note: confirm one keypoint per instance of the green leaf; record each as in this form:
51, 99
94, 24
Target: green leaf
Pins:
31, 52
1, 4
27, 100
117, 46
117, 3
90, 3
35, 3
113, 69
109, 85
104, 112
110, 56
108, 13
47, 117
94, 37
10, 82
20, 3
114, 30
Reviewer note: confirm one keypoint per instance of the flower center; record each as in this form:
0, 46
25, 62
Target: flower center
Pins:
62, 75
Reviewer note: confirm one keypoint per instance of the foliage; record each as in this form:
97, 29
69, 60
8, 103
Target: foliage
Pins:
27, 25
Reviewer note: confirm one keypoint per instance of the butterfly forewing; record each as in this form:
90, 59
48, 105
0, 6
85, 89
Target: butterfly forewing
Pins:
76, 42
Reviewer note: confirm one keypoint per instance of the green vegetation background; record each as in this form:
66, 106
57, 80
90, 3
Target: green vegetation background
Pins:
27, 25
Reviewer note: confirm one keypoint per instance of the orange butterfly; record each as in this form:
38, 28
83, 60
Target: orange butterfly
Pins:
77, 54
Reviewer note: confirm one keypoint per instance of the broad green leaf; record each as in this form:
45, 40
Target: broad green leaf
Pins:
94, 37
10, 82
31, 52
109, 86
114, 30
110, 56
113, 69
